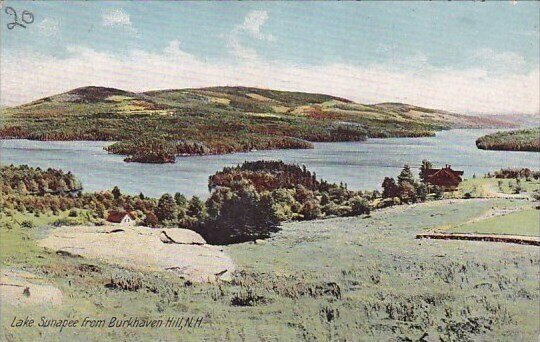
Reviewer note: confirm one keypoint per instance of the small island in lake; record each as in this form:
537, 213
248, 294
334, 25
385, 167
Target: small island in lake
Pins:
521, 140
157, 126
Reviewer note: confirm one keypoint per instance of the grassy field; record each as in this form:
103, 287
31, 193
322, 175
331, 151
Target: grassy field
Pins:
338, 279
495, 187
525, 222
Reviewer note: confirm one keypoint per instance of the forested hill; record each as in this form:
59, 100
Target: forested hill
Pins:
156, 126
520, 140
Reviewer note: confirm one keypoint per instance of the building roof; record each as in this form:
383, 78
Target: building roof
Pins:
447, 168
444, 176
116, 216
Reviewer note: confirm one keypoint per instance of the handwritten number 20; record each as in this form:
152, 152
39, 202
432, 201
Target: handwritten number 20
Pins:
26, 17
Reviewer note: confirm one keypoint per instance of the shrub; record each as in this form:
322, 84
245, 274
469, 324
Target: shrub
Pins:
359, 206
66, 221
27, 224
311, 210
439, 192
247, 298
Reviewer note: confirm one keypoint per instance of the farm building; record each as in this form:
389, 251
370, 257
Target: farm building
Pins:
446, 178
123, 218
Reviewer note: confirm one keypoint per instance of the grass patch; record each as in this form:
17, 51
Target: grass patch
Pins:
525, 222
494, 187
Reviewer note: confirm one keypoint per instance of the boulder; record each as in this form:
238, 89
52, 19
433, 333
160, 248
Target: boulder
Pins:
182, 236
180, 251
19, 288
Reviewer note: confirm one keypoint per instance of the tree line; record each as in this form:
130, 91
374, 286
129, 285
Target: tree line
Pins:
246, 202
521, 140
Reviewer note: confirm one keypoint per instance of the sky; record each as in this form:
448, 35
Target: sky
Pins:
469, 57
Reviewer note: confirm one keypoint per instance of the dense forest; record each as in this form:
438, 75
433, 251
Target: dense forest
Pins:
27, 180
247, 202
521, 140
157, 126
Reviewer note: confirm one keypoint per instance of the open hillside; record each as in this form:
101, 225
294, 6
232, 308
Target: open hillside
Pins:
521, 140
157, 126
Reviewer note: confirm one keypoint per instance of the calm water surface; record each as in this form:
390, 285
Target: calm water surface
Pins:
362, 165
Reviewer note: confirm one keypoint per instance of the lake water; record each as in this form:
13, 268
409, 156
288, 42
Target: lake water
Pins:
362, 165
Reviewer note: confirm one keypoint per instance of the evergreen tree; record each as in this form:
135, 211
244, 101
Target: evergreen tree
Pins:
116, 192
426, 165
196, 208
390, 188
180, 199
406, 175
421, 192
166, 209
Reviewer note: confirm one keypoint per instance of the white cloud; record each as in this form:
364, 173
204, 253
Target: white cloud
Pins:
28, 76
239, 50
250, 28
48, 27
494, 61
117, 17
253, 22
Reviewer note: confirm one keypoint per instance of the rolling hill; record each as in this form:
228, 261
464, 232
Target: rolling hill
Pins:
156, 126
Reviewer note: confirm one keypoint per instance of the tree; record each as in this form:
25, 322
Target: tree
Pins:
310, 210
116, 192
196, 208
21, 188
406, 175
421, 192
407, 192
244, 215
325, 199
141, 196
180, 199
61, 187
150, 220
166, 209
33, 186
100, 210
390, 188
426, 165
359, 206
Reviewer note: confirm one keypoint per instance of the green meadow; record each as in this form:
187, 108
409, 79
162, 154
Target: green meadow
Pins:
359, 278
525, 222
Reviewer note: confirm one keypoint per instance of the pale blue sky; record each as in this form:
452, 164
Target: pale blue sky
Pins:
352, 32
501, 37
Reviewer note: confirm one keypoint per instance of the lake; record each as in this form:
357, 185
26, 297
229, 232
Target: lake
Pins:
362, 165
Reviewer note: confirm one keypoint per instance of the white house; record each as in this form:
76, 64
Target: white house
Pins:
122, 218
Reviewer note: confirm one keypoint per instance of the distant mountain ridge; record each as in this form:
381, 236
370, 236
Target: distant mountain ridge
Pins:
215, 120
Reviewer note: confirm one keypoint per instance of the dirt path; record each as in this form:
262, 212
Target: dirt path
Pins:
522, 240
491, 191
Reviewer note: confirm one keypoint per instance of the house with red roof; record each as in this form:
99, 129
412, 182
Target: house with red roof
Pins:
122, 218
446, 178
